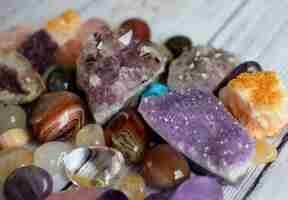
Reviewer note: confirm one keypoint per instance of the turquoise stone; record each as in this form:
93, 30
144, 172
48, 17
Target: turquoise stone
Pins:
155, 89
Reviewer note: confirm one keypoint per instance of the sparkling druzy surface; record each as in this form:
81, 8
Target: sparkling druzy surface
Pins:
197, 124
199, 188
113, 69
29, 182
202, 67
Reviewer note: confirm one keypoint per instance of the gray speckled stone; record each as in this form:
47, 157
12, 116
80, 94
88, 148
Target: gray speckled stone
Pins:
201, 67
197, 124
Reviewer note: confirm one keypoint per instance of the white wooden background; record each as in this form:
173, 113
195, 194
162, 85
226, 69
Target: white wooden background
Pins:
253, 29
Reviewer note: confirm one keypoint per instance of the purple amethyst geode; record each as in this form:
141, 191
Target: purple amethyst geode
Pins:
112, 69
199, 188
197, 124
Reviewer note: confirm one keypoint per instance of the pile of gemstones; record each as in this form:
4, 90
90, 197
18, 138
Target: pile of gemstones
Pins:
92, 113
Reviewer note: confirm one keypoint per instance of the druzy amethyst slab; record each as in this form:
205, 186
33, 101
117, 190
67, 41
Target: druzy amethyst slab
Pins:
202, 67
199, 188
112, 69
197, 124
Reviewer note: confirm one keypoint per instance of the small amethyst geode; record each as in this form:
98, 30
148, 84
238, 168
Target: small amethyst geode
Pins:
112, 69
197, 124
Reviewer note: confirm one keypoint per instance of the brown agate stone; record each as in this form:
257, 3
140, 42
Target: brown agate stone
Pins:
57, 115
164, 167
127, 133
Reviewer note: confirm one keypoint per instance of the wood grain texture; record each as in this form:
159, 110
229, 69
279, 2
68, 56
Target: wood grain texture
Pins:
199, 19
253, 29
257, 33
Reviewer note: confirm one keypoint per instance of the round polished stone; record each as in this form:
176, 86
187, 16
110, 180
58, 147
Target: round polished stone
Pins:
97, 166
133, 185
141, 30
49, 156
76, 194
200, 188
113, 195
11, 159
19, 83
127, 133
14, 117
59, 78
15, 137
29, 182
159, 196
178, 44
90, 135
155, 89
158, 173
57, 115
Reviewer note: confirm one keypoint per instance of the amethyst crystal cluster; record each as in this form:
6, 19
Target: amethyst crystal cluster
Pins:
112, 69
197, 124
202, 67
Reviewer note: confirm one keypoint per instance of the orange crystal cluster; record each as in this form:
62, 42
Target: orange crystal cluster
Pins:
263, 86
65, 26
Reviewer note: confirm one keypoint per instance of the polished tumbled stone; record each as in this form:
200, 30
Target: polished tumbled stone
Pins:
197, 124
76, 194
49, 156
11, 159
14, 117
29, 182
90, 135
199, 188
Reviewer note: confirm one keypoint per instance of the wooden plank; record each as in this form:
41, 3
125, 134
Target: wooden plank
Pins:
274, 181
36, 12
258, 33
253, 29
199, 19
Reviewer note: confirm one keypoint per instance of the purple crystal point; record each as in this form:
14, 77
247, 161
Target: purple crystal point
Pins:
197, 124
113, 69
199, 188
